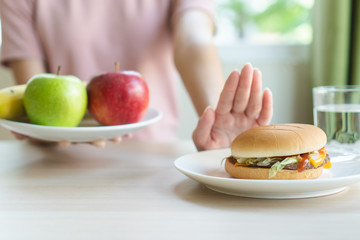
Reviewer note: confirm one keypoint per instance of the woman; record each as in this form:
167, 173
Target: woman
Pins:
159, 39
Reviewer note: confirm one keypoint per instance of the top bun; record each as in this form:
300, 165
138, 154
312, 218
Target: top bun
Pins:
278, 140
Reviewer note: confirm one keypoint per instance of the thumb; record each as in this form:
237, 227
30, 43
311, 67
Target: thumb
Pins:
201, 135
100, 143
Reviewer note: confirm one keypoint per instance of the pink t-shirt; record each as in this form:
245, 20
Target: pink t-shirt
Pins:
86, 37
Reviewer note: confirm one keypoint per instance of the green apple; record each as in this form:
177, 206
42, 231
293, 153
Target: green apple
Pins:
55, 100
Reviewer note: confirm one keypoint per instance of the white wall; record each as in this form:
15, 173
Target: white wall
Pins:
285, 72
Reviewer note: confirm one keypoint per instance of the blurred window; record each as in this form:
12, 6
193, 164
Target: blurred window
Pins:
264, 21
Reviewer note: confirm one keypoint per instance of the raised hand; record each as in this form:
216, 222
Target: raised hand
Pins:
242, 105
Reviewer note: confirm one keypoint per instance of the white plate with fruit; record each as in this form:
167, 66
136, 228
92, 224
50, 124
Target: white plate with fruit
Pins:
53, 106
88, 130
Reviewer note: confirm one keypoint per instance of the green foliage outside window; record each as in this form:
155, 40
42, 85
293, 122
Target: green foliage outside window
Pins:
284, 17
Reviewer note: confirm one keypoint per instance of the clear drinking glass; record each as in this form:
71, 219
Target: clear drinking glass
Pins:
337, 112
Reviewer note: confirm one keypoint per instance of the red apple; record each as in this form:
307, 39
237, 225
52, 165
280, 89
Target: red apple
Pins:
119, 97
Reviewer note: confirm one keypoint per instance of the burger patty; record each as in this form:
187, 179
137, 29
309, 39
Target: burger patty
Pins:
292, 166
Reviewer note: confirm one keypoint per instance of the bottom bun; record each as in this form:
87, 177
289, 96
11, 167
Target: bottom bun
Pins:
263, 173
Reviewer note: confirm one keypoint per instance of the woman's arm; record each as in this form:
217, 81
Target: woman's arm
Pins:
24, 69
226, 110
196, 58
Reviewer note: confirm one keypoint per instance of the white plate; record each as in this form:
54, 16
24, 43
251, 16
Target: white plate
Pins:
207, 168
87, 131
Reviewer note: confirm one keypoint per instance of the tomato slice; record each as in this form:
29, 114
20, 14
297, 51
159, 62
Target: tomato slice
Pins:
304, 161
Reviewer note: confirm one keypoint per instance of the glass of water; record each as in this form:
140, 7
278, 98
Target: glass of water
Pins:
337, 112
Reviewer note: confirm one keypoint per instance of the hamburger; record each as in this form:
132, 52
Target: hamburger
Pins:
281, 151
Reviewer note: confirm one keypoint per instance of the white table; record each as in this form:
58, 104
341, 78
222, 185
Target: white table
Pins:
133, 191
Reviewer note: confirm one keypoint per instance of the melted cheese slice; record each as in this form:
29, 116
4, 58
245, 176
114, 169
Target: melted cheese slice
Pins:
316, 158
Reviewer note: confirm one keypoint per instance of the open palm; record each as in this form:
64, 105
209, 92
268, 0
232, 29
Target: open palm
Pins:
242, 105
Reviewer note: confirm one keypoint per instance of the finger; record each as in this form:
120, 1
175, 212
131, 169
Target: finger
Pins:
64, 144
227, 95
128, 135
255, 101
202, 132
120, 138
267, 108
100, 143
117, 139
19, 136
243, 90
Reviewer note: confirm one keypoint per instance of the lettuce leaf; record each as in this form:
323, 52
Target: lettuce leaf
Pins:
266, 162
278, 166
